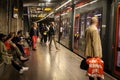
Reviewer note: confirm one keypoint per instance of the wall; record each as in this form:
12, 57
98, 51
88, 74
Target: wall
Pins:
3, 16
7, 22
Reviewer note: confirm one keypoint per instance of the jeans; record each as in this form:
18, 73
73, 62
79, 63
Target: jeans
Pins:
16, 65
34, 41
52, 38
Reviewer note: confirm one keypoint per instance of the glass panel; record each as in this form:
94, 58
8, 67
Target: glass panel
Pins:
85, 21
88, 18
98, 13
57, 21
118, 51
76, 32
65, 24
82, 32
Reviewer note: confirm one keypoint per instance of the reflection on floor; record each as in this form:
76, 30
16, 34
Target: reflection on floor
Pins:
49, 65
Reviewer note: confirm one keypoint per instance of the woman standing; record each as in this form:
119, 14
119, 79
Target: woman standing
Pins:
34, 33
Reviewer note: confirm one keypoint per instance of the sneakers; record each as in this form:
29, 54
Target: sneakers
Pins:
23, 69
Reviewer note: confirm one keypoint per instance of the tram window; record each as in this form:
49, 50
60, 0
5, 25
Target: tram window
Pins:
82, 25
85, 21
88, 18
98, 13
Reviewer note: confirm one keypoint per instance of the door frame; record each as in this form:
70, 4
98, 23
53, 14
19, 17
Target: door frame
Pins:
77, 16
116, 40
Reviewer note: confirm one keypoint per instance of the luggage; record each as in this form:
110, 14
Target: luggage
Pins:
84, 65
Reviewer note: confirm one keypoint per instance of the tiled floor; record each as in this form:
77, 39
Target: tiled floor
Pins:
50, 65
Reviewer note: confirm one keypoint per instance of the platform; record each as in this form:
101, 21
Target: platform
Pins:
50, 65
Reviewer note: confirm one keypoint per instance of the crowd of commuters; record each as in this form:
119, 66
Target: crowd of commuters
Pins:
47, 32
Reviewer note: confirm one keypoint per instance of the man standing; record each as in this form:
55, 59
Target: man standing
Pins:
52, 35
93, 42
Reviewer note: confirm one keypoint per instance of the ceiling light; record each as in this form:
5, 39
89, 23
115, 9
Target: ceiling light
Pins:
39, 9
41, 15
48, 0
47, 9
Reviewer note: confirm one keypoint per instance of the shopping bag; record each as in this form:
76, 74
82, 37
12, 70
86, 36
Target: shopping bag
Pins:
27, 51
84, 65
96, 67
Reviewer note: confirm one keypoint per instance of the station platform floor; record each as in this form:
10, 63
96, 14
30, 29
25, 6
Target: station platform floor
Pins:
50, 65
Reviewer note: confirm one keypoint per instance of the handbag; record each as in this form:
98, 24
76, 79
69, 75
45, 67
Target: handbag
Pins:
96, 68
84, 65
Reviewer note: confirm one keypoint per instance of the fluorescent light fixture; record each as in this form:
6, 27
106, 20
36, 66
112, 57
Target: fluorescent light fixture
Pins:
49, 14
57, 9
86, 4
45, 17
47, 9
63, 5
48, 0
41, 15
98, 14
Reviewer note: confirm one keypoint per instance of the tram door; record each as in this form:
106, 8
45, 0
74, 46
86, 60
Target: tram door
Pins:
76, 31
117, 45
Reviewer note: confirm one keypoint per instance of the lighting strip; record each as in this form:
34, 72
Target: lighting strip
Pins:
55, 10
86, 4
67, 3
63, 5
49, 14
49, 0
